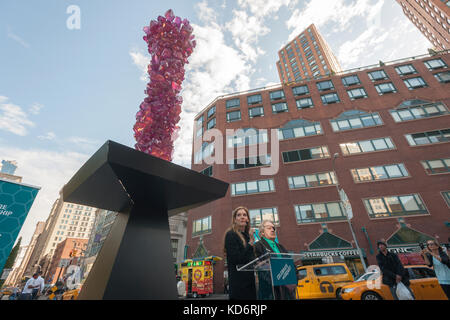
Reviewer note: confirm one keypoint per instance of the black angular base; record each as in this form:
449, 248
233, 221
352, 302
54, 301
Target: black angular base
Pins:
135, 261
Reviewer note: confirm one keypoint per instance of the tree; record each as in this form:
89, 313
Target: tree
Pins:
12, 258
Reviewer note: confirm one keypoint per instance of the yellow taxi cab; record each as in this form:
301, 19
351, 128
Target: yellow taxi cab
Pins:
70, 294
322, 281
423, 283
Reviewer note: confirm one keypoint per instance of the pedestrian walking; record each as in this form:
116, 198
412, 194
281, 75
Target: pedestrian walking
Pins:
267, 244
238, 249
436, 257
392, 270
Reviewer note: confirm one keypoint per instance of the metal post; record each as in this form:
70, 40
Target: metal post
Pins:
361, 256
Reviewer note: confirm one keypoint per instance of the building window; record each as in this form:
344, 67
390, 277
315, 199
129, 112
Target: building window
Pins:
357, 147
300, 90
419, 112
330, 98
299, 128
305, 154
376, 173
436, 166
201, 226
435, 64
211, 123
250, 162
384, 88
277, 95
211, 111
355, 119
405, 70
208, 171
258, 215
357, 93
304, 103
206, 151
325, 85
246, 137
312, 180
443, 77
255, 99
256, 112
233, 103
279, 107
251, 187
428, 137
319, 212
446, 195
233, 116
351, 80
414, 83
392, 206
377, 75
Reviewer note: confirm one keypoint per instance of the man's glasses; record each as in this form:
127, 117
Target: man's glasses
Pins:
270, 228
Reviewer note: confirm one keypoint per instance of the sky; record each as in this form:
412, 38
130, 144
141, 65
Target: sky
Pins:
73, 73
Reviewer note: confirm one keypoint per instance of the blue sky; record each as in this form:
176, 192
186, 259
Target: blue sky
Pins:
64, 92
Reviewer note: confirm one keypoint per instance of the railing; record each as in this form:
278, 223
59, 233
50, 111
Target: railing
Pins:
340, 73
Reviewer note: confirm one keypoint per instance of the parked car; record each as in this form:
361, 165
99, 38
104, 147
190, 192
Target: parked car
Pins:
322, 281
423, 283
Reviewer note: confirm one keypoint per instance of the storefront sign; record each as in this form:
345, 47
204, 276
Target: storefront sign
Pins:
403, 249
330, 253
16, 200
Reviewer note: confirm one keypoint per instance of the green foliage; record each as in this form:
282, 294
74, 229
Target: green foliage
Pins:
11, 258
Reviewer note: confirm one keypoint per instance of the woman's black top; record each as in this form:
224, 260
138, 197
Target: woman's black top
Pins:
241, 283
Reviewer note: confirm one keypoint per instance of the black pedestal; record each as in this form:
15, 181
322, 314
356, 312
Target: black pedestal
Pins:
136, 260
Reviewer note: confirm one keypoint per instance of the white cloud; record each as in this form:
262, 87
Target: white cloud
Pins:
323, 12
48, 136
246, 31
13, 119
36, 108
85, 144
142, 61
262, 8
382, 40
46, 169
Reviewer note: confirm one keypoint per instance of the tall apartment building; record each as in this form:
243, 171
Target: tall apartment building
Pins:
389, 125
307, 56
65, 220
21, 270
432, 18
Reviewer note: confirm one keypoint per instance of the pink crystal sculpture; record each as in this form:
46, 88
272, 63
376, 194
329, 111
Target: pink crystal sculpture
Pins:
170, 43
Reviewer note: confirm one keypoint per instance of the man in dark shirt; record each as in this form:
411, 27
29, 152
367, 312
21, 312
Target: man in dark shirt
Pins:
392, 269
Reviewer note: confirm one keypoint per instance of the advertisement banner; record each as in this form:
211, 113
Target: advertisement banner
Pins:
16, 200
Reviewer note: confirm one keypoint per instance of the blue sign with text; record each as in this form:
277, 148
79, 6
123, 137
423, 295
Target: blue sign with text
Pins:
283, 271
16, 200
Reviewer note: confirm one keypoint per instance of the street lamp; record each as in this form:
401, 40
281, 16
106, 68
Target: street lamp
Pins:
340, 193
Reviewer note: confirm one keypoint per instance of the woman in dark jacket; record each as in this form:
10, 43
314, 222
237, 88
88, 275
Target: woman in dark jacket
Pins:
239, 251
435, 257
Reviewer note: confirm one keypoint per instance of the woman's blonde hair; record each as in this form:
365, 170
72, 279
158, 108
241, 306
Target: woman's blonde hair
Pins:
234, 227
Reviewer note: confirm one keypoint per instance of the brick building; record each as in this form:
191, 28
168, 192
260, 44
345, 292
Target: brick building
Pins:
306, 56
432, 18
66, 253
388, 124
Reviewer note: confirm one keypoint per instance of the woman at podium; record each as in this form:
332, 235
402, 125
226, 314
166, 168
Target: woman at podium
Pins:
238, 247
267, 233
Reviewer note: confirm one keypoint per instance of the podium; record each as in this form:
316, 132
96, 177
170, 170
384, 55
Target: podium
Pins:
135, 261
274, 270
